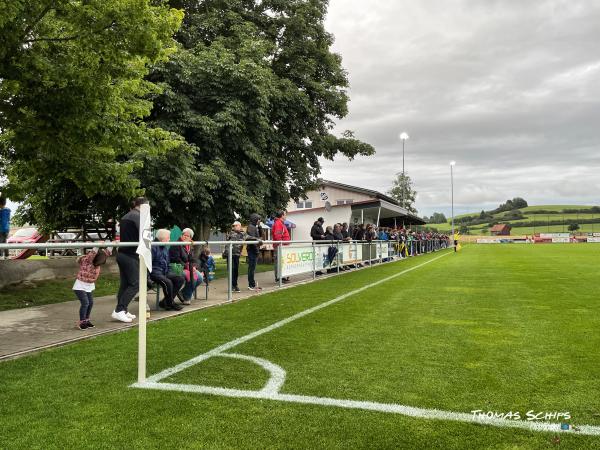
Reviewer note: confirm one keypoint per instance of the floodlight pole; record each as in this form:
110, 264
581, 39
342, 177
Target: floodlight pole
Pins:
452, 194
403, 157
403, 138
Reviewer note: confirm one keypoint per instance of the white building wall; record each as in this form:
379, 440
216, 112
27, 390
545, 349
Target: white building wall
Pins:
304, 219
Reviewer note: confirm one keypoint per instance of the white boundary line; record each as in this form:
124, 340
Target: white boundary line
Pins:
421, 413
271, 390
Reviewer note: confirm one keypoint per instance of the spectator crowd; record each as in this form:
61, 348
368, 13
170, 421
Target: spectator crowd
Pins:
178, 270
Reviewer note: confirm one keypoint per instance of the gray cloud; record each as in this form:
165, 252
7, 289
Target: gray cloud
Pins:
508, 89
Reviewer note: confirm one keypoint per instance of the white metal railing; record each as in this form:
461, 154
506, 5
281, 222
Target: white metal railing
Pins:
394, 249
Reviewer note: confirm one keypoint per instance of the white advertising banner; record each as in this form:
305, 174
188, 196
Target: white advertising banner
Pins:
595, 239
488, 241
351, 253
554, 235
561, 240
296, 260
596, 235
382, 250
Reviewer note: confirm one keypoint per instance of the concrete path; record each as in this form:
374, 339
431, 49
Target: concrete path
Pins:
27, 330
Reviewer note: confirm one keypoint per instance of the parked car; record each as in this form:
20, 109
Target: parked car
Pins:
24, 236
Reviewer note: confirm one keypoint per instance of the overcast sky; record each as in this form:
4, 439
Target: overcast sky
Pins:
508, 89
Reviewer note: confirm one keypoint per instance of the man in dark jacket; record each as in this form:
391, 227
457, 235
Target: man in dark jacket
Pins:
337, 232
346, 232
359, 233
316, 232
236, 234
128, 262
253, 233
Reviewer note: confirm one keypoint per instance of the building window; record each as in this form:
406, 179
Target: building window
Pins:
305, 204
345, 202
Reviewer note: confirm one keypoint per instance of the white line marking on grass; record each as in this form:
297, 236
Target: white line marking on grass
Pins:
421, 413
277, 373
231, 344
271, 390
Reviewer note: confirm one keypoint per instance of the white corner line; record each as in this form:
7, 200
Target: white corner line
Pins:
277, 374
234, 343
390, 408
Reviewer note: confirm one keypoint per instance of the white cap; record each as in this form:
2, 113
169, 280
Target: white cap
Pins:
236, 223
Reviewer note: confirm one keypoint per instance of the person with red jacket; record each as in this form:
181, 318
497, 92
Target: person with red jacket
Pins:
280, 233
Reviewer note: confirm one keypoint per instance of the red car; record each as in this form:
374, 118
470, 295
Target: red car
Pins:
24, 236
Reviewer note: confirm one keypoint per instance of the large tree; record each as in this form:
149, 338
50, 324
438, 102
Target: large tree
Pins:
72, 102
254, 90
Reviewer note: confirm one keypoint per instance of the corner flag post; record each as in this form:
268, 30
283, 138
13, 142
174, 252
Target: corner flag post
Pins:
145, 253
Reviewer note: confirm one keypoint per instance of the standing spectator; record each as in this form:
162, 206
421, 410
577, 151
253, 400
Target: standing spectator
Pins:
236, 234
370, 233
280, 233
329, 234
253, 250
184, 255
89, 271
359, 233
316, 232
346, 232
4, 225
383, 235
128, 261
170, 282
337, 232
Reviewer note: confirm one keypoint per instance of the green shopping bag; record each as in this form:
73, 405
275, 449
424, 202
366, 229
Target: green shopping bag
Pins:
176, 268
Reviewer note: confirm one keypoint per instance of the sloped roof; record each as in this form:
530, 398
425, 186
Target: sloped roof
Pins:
500, 227
375, 194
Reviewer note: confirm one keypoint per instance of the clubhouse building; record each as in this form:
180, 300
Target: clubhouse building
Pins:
339, 203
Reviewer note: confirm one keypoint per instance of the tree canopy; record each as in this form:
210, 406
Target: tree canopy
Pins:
206, 107
437, 218
254, 90
72, 100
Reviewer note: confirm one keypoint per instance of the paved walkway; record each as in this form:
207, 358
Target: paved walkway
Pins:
27, 330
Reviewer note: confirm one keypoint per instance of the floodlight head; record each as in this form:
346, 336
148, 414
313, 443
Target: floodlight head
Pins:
404, 136
452, 163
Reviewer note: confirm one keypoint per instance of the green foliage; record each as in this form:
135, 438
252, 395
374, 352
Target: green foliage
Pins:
512, 215
592, 210
573, 227
403, 192
437, 218
515, 203
254, 90
72, 100
544, 223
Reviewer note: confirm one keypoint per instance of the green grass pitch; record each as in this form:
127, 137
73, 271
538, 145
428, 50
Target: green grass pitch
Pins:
496, 328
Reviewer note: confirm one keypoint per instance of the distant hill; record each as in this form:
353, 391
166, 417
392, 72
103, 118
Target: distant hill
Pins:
530, 219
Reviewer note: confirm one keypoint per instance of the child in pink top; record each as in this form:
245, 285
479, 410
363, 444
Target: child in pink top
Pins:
89, 271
